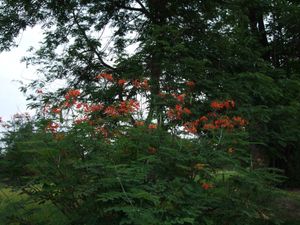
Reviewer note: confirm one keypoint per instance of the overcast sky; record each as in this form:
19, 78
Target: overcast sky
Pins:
12, 70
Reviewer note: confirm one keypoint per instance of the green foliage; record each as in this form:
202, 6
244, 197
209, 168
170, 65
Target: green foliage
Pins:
123, 173
149, 176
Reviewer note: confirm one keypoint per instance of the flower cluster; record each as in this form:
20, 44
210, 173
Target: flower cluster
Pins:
105, 76
71, 97
207, 186
52, 127
227, 104
177, 112
213, 121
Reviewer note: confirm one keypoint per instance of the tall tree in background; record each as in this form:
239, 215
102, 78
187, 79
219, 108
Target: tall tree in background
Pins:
234, 49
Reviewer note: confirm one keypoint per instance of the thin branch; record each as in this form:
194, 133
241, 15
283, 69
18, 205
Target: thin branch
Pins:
92, 48
144, 8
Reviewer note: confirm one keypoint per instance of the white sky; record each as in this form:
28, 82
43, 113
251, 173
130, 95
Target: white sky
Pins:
12, 70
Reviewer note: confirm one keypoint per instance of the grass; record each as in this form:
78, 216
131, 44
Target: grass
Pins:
15, 206
288, 207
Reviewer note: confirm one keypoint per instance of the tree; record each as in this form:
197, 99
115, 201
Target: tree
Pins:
187, 54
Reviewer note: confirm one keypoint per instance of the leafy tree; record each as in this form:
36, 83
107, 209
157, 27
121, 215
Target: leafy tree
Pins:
186, 55
100, 171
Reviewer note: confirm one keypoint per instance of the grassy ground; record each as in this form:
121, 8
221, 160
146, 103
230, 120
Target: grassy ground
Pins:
15, 206
288, 207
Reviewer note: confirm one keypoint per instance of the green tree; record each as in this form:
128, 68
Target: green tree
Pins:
196, 50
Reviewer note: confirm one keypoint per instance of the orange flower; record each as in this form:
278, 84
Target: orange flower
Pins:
128, 106
56, 110
224, 123
239, 121
209, 126
203, 118
152, 126
95, 108
187, 111
190, 127
216, 105
207, 186
139, 123
111, 111
74, 93
229, 104
105, 76
121, 82
175, 114
180, 98
79, 105
136, 83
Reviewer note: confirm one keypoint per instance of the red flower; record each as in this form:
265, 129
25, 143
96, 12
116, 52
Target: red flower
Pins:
139, 123
190, 127
71, 97
95, 108
121, 82
180, 98
223, 123
79, 105
209, 126
111, 111
216, 105
207, 186
136, 83
187, 111
177, 112
128, 106
203, 118
229, 104
56, 110
239, 121
152, 126
74, 93
105, 76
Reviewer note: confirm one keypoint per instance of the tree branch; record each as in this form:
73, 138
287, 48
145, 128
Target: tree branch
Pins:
92, 48
144, 8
